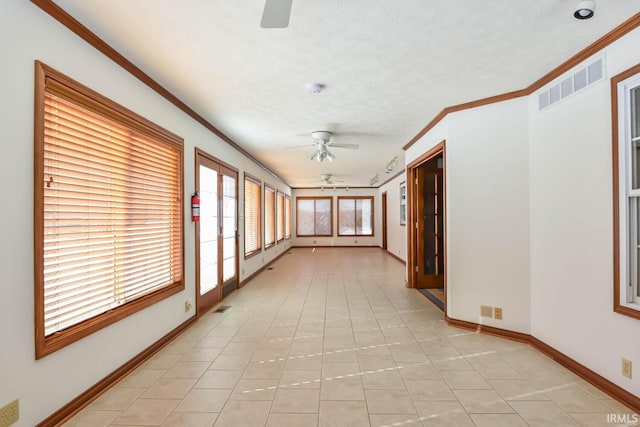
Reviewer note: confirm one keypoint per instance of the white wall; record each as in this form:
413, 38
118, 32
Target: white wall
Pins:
335, 240
396, 233
571, 227
529, 204
43, 386
487, 211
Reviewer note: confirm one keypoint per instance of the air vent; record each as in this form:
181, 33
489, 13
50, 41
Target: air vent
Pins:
579, 80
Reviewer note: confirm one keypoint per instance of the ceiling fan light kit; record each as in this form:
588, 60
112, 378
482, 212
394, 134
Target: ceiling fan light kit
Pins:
585, 9
315, 87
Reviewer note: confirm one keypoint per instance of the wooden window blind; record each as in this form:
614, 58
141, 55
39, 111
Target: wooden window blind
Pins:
252, 215
355, 216
280, 216
108, 222
314, 216
287, 217
269, 216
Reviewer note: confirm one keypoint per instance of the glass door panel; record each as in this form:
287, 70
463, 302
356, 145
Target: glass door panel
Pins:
208, 229
229, 227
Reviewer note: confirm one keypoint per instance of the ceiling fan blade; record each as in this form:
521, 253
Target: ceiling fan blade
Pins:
342, 145
299, 146
276, 14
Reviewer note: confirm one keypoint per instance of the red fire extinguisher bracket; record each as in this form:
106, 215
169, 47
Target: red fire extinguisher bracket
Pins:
195, 207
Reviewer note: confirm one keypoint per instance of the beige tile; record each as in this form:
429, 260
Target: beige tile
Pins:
142, 378
443, 414
303, 362
267, 370
255, 390
574, 399
465, 380
338, 332
395, 420
240, 348
230, 362
543, 413
170, 388
201, 355
341, 356
184, 419
116, 399
270, 354
596, 419
374, 362
292, 420
300, 379
92, 418
517, 390
389, 402
213, 342
429, 390
482, 402
204, 400
237, 413
383, 380
498, 420
295, 401
451, 363
419, 371
338, 342
219, 379
147, 412
343, 414
305, 348
342, 389
409, 356
187, 370
335, 369
162, 361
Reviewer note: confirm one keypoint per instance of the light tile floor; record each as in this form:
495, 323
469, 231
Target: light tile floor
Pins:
333, 338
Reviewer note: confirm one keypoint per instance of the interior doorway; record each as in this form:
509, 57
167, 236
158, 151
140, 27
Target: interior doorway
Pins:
427, 217
216, 232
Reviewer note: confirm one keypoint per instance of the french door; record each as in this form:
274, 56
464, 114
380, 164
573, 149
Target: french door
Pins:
216, 232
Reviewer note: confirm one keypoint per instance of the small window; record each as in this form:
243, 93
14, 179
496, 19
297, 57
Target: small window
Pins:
355, 216
269, 216
287, 217
626, 162
314, 216
108, 212
280, 217
252, 241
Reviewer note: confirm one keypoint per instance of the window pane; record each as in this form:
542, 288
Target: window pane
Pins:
305, 219
367, 214
287, 219
346, 217
635, 135
208, 229
269, 216
251, 216
229, 226
323, 217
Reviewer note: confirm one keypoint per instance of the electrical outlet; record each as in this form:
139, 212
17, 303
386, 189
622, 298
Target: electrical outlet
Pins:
486, 311
626, 368
497, 313
9, 413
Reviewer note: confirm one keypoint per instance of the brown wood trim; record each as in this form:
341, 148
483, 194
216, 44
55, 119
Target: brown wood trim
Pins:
582, 371
201, 152
331, 187
604, 41
258, 182
260, 270
335, 246
60, 15
70, 409
615, 80
372, 198
613, 390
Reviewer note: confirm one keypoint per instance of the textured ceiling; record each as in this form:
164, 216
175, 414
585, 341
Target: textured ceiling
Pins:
389, 66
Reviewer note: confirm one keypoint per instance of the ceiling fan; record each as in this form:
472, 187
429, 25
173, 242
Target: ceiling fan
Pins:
322, 142
327, 179
276, 14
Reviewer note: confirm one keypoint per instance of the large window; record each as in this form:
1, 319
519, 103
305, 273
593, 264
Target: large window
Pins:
269, 216
313, 216
252, 188
108, 212
287, 217
626, 162
355, 216
280, 216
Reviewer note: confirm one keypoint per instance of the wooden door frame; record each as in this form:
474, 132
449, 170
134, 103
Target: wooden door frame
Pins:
221, 166
412, 204
384, 220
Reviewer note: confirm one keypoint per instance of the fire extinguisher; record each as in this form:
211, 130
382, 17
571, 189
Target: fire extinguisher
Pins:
195, 207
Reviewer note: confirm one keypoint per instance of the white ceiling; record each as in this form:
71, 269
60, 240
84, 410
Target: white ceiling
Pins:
389, 66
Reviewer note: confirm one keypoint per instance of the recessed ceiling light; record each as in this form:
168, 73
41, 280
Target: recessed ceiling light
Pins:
315, 87
585, 9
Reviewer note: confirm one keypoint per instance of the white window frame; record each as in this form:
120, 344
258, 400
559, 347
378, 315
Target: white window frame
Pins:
629, 200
